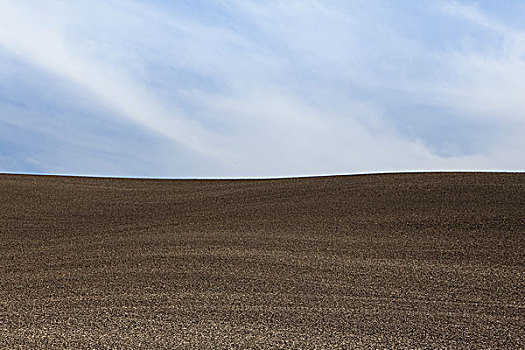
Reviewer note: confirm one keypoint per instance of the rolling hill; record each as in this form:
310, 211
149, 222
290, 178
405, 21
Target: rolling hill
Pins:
418, 260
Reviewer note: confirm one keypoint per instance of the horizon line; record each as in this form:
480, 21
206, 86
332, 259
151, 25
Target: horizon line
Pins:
284, 177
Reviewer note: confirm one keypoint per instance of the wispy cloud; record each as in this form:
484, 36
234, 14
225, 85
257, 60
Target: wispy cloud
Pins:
258, 88
30, 38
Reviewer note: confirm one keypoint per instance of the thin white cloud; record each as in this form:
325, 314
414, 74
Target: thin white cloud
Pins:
471, 13
279, 88
24, 34
488, 82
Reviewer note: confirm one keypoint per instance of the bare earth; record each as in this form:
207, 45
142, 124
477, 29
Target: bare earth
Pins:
394, 261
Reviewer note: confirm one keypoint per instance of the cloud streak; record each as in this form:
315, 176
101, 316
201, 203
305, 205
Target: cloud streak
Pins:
270, 88
48, 49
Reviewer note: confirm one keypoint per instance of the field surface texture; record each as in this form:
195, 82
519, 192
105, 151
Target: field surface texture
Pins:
373, 261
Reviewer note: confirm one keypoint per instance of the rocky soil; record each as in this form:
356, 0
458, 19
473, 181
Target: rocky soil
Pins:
434, 260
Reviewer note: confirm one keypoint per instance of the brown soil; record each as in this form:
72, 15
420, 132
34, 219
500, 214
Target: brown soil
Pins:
373, 261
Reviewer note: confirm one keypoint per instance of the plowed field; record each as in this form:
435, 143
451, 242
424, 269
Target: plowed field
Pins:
429, 260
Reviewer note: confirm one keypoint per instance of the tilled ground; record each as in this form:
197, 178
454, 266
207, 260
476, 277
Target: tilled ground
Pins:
376, 261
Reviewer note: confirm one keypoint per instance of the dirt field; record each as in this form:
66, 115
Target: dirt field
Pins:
374, 261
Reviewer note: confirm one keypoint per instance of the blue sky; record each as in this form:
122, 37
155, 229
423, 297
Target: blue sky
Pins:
240, 88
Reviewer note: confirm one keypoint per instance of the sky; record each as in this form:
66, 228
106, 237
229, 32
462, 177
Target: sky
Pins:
267, 88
